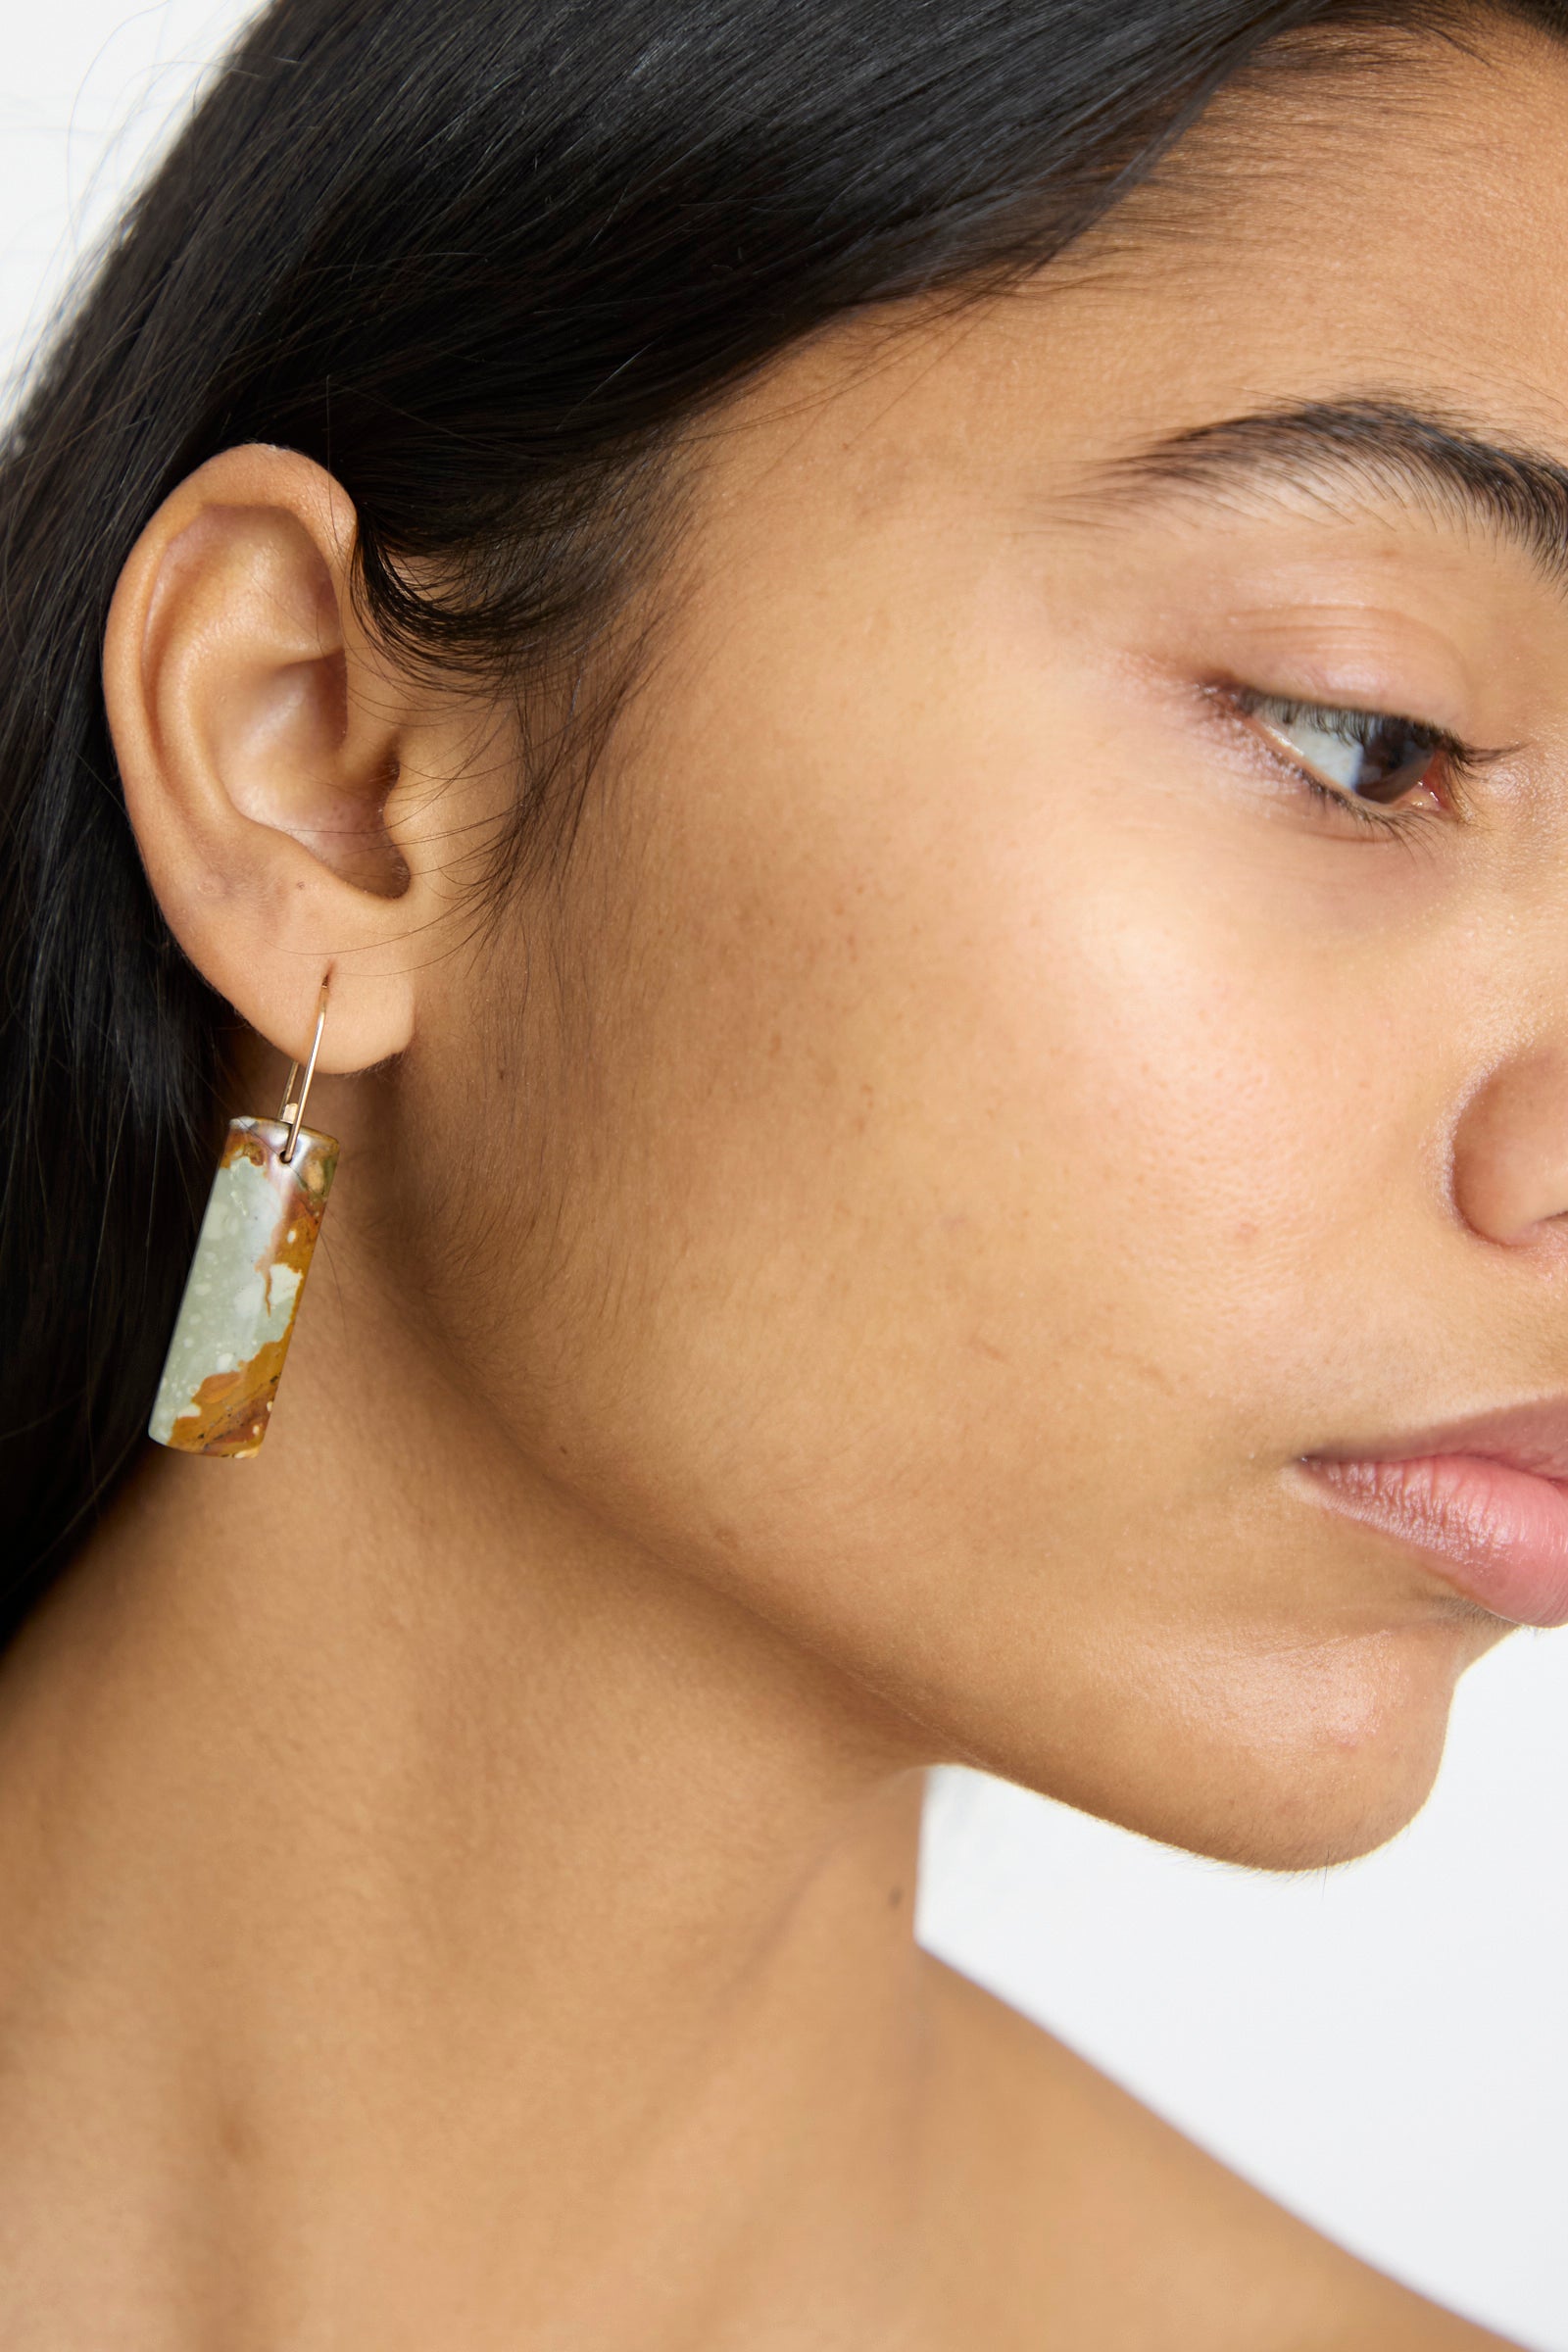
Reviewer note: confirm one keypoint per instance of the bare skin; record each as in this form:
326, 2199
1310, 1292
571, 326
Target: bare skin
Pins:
841, 1276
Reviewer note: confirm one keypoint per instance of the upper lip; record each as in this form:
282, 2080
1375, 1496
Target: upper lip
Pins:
1533, 1437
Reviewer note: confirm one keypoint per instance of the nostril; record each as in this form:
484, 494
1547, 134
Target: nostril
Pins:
1510, 1150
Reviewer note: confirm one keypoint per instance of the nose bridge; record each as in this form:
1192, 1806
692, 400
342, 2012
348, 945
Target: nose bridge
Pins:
1510, 1148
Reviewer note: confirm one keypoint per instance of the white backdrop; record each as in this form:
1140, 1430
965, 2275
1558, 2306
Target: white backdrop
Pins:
1384, 2047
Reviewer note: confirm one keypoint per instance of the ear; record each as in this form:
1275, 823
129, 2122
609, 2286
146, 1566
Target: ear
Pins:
263, 749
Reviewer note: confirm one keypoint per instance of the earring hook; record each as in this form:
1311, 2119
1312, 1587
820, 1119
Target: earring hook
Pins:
292, 1110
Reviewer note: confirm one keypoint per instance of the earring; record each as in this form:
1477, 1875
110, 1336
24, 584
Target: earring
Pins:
243, 1289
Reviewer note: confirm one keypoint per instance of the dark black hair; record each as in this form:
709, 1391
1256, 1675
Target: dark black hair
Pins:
480, 258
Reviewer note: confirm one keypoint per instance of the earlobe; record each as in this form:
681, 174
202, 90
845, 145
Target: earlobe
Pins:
259, 742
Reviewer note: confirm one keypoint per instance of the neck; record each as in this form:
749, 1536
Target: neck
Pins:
420, 1905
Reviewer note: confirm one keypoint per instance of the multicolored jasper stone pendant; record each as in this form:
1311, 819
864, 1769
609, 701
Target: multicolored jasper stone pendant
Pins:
237, 1315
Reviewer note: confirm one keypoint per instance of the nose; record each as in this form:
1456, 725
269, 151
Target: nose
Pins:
1510, 1157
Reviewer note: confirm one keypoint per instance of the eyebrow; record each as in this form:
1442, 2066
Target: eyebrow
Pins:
1515, 494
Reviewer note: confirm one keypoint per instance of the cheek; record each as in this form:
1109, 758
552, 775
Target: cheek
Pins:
978, 1130
972, 1142
1012, 1117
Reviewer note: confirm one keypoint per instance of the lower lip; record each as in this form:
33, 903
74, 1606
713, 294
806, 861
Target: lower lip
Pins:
1502, 1532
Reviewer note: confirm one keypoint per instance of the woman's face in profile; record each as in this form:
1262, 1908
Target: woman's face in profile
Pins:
941, 964
1059, 1007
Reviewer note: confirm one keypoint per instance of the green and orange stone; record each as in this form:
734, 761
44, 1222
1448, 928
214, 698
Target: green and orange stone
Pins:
237, 1315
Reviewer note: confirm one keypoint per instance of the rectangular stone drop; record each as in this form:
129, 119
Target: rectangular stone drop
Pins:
237, 1315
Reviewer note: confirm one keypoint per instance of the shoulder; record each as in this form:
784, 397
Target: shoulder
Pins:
1077, 2217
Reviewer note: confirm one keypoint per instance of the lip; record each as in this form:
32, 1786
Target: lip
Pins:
1487, 1497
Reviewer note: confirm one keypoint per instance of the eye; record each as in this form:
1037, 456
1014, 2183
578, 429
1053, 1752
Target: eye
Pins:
1357, 756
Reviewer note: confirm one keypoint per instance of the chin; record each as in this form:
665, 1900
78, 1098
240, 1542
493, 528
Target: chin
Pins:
1285, 1762
1322, 1817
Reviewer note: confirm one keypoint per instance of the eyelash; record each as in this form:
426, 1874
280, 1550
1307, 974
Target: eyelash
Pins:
1462, 762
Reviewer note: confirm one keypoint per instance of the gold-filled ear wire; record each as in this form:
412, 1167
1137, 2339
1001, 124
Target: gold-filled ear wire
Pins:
242, 1294
293, 1112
